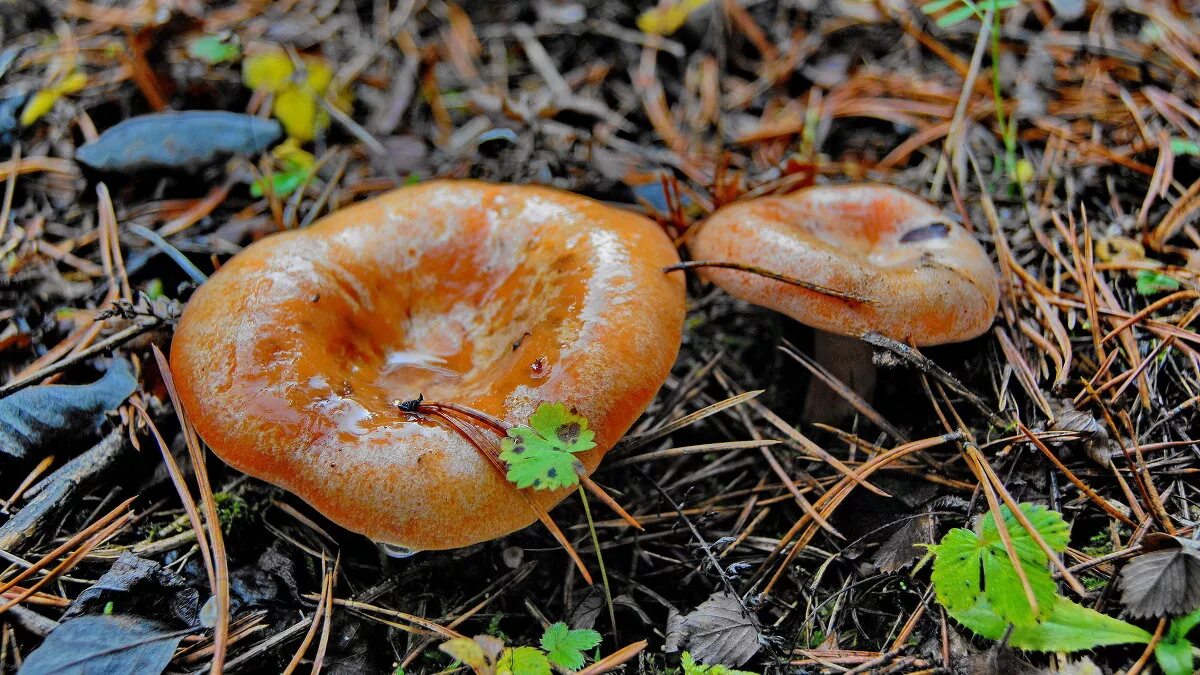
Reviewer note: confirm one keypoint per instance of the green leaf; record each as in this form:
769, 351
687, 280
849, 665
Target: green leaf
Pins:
1175, 658
523, 661
1068, 628
1004, 590
1152, 282
213, 49
565, 645
541, 455
966, 11
1183, 146
968, 564
690, 667
937, 6
283, 183
957, 569
1174, 652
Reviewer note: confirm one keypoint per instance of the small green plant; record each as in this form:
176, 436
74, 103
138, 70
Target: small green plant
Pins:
690, 667
562, 646
961, 10
1153, 282
957, 11
541, 455
975, 580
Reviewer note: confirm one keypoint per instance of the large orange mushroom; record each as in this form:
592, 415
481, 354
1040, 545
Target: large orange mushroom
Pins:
858, 259
291, 358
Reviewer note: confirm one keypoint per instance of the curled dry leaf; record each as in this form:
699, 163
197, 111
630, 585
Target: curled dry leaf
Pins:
34, 418
136, 585
1094, 437
903, 548
721, 631
178, 140
1164, 582
108, 643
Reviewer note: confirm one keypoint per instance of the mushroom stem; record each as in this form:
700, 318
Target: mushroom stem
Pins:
847, 360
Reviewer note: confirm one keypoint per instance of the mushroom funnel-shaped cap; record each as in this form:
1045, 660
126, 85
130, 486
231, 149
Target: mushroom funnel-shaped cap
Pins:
290, 359
920, 276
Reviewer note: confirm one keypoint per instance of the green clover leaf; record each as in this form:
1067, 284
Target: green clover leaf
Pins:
565, 645
542, 455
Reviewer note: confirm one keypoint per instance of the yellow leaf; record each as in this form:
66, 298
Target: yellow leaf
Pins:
41, 103
72, 83
319, 74
271, 71
298, 110
467, 651
664, 20
290, 153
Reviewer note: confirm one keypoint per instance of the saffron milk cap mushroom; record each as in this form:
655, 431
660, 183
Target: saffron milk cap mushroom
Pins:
291, 359
896, 264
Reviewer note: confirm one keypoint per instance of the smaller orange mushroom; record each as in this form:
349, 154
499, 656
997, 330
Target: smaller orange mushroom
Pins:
292, 359
868, 258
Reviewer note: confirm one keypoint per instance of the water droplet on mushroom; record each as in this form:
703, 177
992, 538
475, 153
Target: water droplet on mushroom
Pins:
398, 552
540, 368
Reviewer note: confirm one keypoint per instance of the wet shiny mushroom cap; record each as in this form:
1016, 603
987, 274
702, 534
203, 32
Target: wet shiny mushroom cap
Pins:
923, 277
291, 358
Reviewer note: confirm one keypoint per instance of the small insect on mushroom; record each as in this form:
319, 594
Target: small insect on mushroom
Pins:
448, 288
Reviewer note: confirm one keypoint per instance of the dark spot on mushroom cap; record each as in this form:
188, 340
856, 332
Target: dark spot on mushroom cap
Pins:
569, 433
926, 233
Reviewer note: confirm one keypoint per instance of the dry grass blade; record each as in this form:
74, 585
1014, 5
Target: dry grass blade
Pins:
638, 440
703, 448
219, 582
1083, 487
615, 659
974, 460
69, 562
468, 433
834, 497
80, 537
742, 267
318, 614
185, 496
1015, 509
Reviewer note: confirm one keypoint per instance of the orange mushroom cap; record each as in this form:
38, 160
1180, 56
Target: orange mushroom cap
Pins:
289, 360
921, 277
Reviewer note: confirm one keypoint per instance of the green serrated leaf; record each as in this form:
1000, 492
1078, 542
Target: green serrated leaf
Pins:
522, 661
969, 564
541, 455
212, 49
1006, 593
1174, 652
564, 646
957, 569
1183, 146
1153, 282
1068, 628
